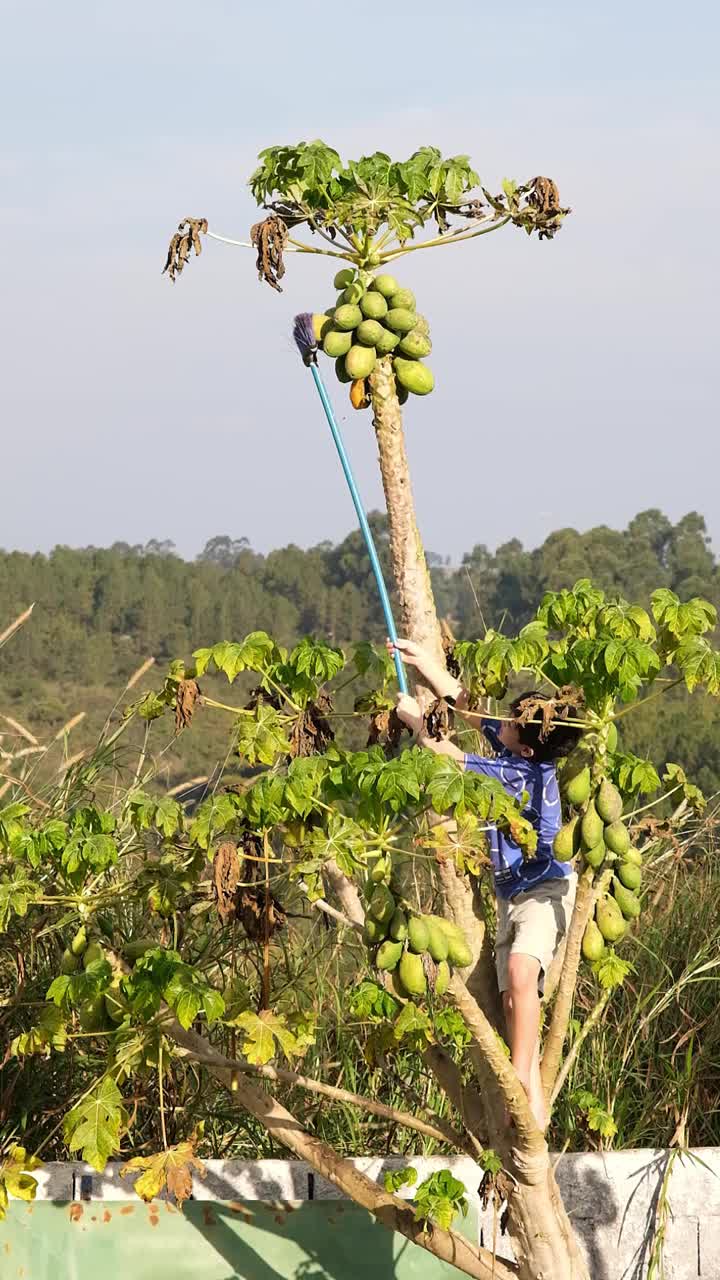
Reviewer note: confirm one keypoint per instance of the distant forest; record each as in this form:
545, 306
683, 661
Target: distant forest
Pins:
100, 612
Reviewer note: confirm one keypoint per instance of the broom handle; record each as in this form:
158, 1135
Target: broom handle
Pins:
365, 527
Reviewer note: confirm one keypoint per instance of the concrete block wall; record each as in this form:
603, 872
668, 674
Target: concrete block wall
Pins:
611, 1198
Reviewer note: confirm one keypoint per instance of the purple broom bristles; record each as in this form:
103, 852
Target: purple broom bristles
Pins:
304, 336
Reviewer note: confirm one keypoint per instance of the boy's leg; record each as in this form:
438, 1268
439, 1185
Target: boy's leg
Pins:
522, 1012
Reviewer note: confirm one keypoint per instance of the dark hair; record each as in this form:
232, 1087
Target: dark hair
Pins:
550, 744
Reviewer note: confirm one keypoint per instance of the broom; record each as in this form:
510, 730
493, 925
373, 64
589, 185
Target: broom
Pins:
306, 343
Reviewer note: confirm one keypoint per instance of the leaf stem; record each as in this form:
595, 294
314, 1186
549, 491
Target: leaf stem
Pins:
451, 239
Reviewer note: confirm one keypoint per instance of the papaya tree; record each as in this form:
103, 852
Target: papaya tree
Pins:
160, 961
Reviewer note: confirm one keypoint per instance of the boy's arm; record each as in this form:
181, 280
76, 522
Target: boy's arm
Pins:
440, 681
411, 715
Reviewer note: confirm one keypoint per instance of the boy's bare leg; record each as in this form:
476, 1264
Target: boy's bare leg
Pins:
522, 1012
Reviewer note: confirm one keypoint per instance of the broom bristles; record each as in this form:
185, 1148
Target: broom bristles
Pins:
304, 336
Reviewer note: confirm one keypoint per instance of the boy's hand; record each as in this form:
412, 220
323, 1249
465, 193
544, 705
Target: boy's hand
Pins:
412, 654
408, 710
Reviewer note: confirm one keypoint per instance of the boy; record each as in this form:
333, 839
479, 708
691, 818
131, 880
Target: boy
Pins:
535, 897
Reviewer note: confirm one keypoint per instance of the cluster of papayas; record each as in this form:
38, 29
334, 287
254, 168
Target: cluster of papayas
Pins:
402, 941
597, 833
375, 317
94, 1012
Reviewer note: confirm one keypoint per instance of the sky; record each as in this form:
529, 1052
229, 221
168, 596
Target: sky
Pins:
576, 379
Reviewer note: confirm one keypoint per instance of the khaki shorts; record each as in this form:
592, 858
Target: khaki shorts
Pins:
534, 923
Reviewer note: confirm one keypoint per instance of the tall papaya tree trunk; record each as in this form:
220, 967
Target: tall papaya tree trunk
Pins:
543, 1240
412, 578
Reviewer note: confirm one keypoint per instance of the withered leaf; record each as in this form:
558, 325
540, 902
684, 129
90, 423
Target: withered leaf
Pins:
186, 238
270, 238
227, 871
188, 692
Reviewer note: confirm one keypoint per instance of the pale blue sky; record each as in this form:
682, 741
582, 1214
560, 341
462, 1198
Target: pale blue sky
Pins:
577, 380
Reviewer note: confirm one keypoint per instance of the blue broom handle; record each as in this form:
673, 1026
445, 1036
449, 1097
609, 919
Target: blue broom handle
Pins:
366, 532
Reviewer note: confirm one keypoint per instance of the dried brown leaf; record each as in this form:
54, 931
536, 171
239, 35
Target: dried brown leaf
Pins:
186, 238
188, 692
270, 238
227, 871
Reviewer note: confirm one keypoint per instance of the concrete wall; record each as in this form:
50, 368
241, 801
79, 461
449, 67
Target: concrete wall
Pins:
612, 1200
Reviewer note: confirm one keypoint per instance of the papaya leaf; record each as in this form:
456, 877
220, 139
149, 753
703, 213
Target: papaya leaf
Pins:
93, 1127
396, 1179
171, 1169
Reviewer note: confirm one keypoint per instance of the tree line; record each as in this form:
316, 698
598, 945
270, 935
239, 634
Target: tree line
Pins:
99, 612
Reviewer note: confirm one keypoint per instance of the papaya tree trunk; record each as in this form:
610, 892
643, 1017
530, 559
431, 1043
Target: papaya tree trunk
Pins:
412, 579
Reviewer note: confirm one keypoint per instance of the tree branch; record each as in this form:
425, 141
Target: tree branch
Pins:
590, 1022
346, 893
587, 895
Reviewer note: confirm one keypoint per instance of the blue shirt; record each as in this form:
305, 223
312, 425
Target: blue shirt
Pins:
513, 873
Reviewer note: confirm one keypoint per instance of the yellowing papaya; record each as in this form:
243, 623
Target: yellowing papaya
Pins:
617, 838
633, 856
414, 376
422, 326
79, 942
567, 840
577, 790
609, 918
593, 943
389, 955
459, 952
321, 324
418, 934
360, 361
358, 394
412, 974
608, 802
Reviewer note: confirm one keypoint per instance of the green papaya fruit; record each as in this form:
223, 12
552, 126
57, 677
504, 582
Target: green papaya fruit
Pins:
579, 759
630, 875
373, 932
612, 738
449, 927
387, 342
321, 325
136, 949
347, 316
370, 332
438, 941
626, 900
633, 856
350, 297
344, 278
336, 343
567, 840
92, 1014
360, 361
595, 857
403, 298
399, 926
593, 943
373, 305
415, 345
459, 952
608, 802
422, 326
341, 372
399, 319
79, 942
617, 838
69, 962
414, 376
380, 869
412, 974
591, 827
385, 285
389, 955
442, 978
382, 904
418, 934
609, 917
116, 1005
92, 952
402, 393
577, 790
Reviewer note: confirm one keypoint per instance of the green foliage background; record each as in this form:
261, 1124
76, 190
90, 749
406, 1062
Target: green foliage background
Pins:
101, 612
